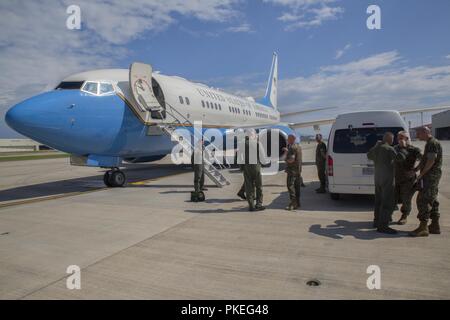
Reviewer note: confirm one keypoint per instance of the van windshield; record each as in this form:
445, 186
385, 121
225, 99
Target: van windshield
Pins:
360, 140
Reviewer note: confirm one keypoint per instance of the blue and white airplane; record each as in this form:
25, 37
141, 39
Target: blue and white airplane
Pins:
106, 117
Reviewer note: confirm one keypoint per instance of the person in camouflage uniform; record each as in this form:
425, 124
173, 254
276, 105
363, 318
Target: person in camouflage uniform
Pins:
293, 155
428, 184
321, 158
405, 174
252, 171
383, 155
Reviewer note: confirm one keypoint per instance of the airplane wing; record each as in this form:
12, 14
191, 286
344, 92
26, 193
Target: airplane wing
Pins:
432, 109
313, 123
331, 121
288, 114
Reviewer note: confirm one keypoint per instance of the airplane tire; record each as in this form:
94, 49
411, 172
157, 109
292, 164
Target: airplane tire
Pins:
106, 179
117, 179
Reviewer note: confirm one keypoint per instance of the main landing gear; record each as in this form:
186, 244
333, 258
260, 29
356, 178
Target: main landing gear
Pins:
114, 178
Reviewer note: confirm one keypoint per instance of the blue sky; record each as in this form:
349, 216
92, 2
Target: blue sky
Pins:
327, 56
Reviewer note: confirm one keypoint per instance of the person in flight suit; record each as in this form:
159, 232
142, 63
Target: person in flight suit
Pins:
428, 183
198, 166
321, 158
293, 156
252, 171
405, 174
384, 156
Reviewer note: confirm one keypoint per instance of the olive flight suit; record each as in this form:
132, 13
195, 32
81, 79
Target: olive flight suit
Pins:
384, 156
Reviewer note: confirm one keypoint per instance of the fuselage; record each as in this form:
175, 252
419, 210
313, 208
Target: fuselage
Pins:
92, 113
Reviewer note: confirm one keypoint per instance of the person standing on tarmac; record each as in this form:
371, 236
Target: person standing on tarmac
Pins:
383, 155
252, 171
428, 184
321, 158
405, 174
197, 161
293, 156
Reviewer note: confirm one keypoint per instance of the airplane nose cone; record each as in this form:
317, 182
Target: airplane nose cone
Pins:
15, 117
33, 117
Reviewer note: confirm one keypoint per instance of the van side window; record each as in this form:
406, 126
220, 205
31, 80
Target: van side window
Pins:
187, 101
181, 99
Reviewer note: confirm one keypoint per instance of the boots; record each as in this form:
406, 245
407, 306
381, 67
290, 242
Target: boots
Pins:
321, 190
242, 195
434, 227
292, 206
421, 231
403, 219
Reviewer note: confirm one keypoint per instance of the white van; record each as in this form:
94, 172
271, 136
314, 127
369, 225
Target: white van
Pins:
351, 137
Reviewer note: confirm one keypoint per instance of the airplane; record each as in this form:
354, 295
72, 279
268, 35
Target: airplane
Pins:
105, 118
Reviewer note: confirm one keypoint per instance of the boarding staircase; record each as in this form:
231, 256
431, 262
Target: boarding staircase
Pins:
209, 157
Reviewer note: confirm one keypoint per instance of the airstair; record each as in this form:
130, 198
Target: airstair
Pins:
146, 105
209, 157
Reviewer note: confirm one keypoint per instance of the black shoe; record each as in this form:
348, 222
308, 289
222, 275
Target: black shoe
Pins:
242, 195
303, 185
259, 208
387, 230
320, 190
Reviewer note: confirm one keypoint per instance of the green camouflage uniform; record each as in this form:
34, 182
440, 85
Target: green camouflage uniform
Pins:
252, 175
199, 170
383, 155
427, 202
405, 176
294, 173
321, 151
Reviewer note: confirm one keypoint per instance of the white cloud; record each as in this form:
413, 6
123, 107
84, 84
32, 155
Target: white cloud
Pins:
367, 64
448, 57
307, 13
243, 28
380, 81
341, 52
37, 50
376, 82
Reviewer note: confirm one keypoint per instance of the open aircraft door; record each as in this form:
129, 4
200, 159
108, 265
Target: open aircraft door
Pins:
145, 104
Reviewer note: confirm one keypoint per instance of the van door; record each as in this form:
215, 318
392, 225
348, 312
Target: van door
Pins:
145, 104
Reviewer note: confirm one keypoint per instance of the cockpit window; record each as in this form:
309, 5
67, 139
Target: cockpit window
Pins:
70, 85
90, 87
106, 88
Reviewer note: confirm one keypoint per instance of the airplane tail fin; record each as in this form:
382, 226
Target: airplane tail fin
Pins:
270, 98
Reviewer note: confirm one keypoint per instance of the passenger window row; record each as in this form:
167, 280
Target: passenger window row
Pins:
211, 105
186, 99
262, 115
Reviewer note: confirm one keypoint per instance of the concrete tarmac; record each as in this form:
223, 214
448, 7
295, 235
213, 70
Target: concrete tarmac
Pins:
147, 241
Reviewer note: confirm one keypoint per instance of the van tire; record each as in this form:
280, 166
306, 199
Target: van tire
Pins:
335, 196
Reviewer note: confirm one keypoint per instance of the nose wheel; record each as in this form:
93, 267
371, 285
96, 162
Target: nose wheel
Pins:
114, 178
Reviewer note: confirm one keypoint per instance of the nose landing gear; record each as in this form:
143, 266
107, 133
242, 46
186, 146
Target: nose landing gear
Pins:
114, 178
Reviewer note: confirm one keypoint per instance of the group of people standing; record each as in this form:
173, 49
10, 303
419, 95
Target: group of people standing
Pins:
400, 171
252, 188
398, 177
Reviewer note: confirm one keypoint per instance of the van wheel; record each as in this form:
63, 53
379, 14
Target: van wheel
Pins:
335, 196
